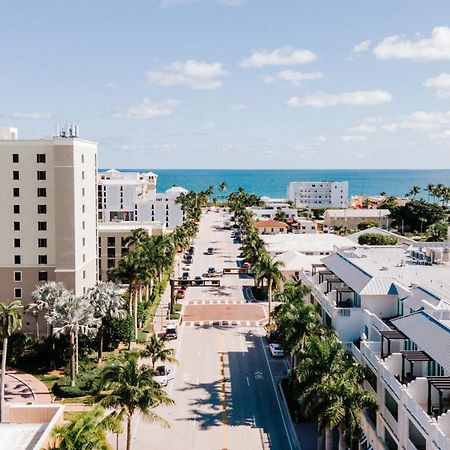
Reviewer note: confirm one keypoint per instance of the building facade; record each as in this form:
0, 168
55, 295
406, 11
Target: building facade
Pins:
351, 218
390, 307
318, 194
49, 218
132, 196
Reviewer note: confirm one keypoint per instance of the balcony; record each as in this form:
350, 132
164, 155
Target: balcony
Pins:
371, 351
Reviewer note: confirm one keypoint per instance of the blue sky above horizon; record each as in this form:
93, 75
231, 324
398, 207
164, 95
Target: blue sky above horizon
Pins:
233, 83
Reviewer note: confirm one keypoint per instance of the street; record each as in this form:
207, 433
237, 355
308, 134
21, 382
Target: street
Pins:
226, 382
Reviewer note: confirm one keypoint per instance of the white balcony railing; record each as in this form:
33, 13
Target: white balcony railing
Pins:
440, 440
392, 423
390, 381
371, 352
421, 418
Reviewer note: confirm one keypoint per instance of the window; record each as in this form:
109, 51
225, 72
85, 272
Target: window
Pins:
42, 226
111, 263
15, 157
391, 404
83, 192
42, 209
84, 242
84, 274
111, 241
41, 192
83, 224
15, 174
16, 192
111, 252
83, 208
16, 226
17, 293
43, 276
82, 174
42, 243
17, 259
42, 259
82, 159
17, 277
16, 243
41, 175
40, 158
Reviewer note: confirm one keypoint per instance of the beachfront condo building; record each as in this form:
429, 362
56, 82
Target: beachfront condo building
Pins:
390, 307
318, 194
132, 196
49, 214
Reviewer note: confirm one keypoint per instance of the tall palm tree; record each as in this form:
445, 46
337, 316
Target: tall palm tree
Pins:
10, 321
85, 431
156, 350
223, 187
431, 188
268, 269
137, 237
107, 304
130, 388
73, 316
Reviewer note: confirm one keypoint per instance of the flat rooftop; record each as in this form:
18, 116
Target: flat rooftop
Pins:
326, 242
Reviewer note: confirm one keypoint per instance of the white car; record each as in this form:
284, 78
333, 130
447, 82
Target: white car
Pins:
276, 350
163, 375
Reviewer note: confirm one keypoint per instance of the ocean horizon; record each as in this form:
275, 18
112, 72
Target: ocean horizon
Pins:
274, 182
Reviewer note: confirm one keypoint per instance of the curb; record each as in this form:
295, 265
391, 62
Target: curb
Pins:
294, 436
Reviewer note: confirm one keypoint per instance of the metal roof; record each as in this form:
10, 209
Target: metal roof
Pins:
430, 335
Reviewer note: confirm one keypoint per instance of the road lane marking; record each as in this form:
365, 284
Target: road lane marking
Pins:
248, 382
276, 393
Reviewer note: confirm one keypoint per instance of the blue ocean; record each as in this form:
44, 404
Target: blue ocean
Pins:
273, 183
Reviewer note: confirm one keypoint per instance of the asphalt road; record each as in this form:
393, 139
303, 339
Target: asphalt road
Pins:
225, 386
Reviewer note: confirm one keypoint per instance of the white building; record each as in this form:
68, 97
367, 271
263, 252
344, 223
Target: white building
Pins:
49, 214
271, 212
318, 194
132, 196
391, 308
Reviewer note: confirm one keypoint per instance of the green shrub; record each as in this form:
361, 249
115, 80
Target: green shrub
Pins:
63, 389
366, 225
177, 307
376, 239
117, 331
174, 316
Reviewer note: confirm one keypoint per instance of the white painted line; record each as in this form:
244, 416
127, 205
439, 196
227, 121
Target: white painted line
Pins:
276, 393
248, 323
201, 323
248, 382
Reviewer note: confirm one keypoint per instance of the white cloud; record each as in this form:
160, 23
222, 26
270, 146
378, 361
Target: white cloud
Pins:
284, 56
445, 135
419, 121
321, 139
362, 47
441, 83
194, 74
238, 107
150, 110
31, 115
211, 126
355, 98
434, 48
293, 77
354, 138
364, 128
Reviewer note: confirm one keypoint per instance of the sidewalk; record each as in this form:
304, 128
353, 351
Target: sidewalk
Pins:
22, 387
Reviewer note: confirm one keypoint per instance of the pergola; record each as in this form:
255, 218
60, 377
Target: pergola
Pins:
390, 335
324, 274
331, 281
342, 290
441, 384
412, 356
315, 267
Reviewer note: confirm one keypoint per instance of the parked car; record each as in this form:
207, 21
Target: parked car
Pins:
171, 331
188, 259
276, 350
163, 375
210, 251
211, 271
185, 276
198, 280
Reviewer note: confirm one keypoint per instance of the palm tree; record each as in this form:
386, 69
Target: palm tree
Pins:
223, 187
281, 216
431, 188
137, 237
130, 388
156, 350
86, 431
268, 269
107, 304
10, 321
73, 315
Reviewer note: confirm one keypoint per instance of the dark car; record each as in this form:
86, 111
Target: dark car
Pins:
171, 331
210, 251
185, 275
198, 280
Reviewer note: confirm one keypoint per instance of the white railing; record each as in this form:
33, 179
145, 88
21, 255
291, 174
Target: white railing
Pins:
356, 352
416, 411
393, 424
440, 440
390, 381
371, 351
411, 446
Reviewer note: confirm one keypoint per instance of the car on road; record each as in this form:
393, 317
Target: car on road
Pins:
276, 350
163, 375
212, 271
171, 331
210, 251
188, 259
198, 280
185, 276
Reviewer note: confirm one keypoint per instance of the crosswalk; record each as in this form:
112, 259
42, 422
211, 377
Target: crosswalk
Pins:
215, 302
223, 323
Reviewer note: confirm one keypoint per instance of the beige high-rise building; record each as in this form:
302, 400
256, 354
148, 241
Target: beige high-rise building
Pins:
49, 214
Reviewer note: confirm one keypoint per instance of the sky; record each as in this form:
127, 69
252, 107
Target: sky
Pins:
233, 83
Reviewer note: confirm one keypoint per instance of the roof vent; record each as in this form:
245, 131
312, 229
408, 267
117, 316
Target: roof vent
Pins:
384, 268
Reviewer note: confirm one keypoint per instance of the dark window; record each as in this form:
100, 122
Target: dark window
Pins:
15, 157
16, 243
42, 243
16, 192
17, 293
41, 175
18, 276
391, 404
16, 226
111, 241
15, 174
16, 209
111, 263
41, 192
43, 276
42, 226
111, 252
42, 209
40, 158
42, 259
17, 259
